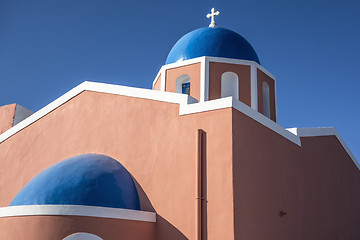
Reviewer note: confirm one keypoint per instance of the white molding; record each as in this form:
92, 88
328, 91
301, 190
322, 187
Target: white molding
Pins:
163, 79
324, 131
242, 62
253, 86
203, 76
207, 77
103, 88
77, 210
240, 106
188, 105
275, 99
157, 75
183, 63
204, 73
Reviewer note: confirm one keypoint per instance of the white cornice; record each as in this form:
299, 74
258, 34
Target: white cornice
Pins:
213, 59
324, 131
188, 105
77, 210
228, 102
103, 88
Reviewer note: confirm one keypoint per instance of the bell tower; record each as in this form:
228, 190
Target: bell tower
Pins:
212, 63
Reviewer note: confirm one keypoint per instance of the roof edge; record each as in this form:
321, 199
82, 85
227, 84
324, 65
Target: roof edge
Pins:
77, 210
324, 131
102, 88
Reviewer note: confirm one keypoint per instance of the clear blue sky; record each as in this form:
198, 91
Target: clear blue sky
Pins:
312, 47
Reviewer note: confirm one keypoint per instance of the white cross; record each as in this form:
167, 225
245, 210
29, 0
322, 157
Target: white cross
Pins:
212, 16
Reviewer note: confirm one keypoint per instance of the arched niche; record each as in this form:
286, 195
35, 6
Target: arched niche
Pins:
183, 84
230, 85
82, 236
266, 99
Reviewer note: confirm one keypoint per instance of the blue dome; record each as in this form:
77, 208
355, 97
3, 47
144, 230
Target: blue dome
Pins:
213, 42
90, 179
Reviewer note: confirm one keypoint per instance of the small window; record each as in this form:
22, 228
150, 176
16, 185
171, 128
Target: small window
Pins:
186, 88
266, 99
82, 236
230, 85
183, 84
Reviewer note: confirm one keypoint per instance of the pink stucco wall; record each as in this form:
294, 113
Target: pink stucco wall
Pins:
150, 139
7, 114
59, 227
251, 173
316, 185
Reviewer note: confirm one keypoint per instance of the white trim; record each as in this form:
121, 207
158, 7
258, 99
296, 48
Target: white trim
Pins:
157, 75
163, 78
218, 59
324, 131
242, 62
254, 90
183, 63
188, 105
203, 76
207, 76
184, 78
103, 88
228, 102
275, 99
77, 210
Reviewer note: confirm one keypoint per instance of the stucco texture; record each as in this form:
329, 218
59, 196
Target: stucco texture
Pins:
7, 114
284, 191
150, 139
59, 227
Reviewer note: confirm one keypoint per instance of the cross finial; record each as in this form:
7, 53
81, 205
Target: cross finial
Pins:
212, 16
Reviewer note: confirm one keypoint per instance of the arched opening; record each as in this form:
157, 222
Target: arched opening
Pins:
183, 84
229, 85
266, 99
82, 236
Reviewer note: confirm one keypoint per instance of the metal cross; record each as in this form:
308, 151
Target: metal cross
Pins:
212, 16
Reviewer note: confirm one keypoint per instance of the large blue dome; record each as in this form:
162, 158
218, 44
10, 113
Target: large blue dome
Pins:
89, 179
213, 42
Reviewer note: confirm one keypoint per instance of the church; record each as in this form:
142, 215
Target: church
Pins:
199, 156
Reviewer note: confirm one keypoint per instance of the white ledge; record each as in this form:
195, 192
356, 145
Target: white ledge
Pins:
324, 131
103, 88
241, 107
212, 59
188, 105
77, 210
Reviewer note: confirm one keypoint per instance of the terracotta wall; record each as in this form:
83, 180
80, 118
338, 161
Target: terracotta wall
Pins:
316, 186
7, 114
193, 70
215, 72
150, 139
59, 227
261, 77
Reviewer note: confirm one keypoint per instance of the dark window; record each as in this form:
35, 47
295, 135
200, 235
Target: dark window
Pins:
186, 88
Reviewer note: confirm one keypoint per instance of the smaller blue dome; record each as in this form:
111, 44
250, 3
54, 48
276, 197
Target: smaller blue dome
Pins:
89, 179
213, 42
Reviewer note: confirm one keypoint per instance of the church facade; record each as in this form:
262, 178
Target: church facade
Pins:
199, 156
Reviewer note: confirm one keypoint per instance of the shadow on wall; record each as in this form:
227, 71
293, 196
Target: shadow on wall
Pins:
145, 204
163, 229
